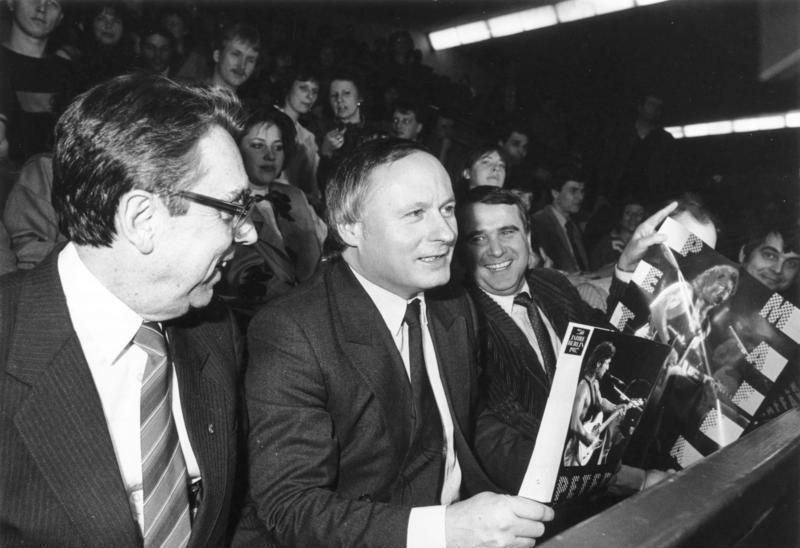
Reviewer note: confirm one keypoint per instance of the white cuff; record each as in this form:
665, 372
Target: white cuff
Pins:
426, 527
621, 275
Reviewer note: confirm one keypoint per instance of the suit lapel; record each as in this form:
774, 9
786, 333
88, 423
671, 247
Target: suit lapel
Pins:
371, 349
511, 331
207, 406
452, 355
62, 421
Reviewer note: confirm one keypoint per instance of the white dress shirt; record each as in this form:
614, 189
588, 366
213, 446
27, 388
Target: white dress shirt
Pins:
520, 316
426, 527
105, 327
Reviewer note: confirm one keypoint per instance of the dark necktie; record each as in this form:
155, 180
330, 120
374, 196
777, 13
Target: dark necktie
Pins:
164, 477
576, 241
427, 421
539, 331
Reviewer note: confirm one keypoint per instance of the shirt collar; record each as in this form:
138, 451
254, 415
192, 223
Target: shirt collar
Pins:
506, 302
105, 326
391, 307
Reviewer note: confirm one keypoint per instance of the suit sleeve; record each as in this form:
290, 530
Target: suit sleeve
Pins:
294, 450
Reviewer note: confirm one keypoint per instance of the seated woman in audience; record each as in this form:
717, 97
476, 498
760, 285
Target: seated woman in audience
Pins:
608, 249
299, 100
109, 49
349, 126
290, 234
485, 166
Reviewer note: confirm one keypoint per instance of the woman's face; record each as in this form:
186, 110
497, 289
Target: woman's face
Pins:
302, 96
262, 153
345, 100
632, 215
107, 27
488, 170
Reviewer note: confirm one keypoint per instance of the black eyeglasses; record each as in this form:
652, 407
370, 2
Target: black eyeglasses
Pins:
238, 210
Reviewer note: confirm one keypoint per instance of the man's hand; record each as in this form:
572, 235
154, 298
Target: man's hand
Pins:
489, 520
643, 237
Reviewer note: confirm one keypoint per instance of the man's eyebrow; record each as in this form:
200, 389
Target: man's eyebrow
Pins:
474, 233
770, 248
510, 227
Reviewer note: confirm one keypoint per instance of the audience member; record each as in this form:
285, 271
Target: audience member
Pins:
351, 128
290, 235
771, 252
78, 468
485, 166
338, 433
300, 98
639, 157
156, 48
189, 64
407, 120
108, 49
29, 214
34, 85
608, 249
235, 55
554, 228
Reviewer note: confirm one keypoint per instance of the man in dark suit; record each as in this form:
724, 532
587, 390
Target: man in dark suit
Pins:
523, 315
554, 228
361, 384
111, 433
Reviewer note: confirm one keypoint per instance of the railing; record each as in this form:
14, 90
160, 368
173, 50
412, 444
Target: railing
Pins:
745, 495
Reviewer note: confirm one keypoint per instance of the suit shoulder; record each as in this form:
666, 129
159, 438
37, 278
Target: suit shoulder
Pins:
551, 279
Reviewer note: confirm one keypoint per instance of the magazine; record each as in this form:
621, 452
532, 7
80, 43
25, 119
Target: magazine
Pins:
735, 349
602, 382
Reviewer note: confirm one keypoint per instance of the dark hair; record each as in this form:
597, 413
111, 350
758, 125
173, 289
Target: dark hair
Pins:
118, 10
300, 73
477, 153
350, 183
151, 30
348, 74
272, 116
771, 219
404, 106
137, 131
238, 31
492, 195
601, 352
565, 174
512, 126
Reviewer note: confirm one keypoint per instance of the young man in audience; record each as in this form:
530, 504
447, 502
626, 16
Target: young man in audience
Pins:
235, 56
156, 51
407, 121
110, 433
34, 84
514, 141
554, 228
771, 253
361, 383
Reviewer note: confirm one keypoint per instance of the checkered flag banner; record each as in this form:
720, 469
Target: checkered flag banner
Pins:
621, 316
748, 398
679, 239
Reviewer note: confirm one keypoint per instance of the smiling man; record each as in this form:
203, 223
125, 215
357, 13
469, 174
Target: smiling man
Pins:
361, 383
235, 56
771, 253
118, 422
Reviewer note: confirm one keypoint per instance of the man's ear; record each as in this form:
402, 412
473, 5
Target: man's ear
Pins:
741, 255
215, 55
465, 174
351, 233
554, 194
136, 219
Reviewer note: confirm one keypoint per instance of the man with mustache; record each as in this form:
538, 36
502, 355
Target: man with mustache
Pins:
361, 384
235, 56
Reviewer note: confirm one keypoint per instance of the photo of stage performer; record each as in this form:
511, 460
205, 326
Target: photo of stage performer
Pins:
591, 410
680, 315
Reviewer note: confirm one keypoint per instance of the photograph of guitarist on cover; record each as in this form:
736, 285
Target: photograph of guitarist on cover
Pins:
598, 425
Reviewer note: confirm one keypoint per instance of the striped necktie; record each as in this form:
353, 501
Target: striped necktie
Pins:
164, 477
539, 331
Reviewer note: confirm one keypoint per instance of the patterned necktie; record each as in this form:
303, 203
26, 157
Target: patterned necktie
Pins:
539, 331
427, 421
164, 477
576, 241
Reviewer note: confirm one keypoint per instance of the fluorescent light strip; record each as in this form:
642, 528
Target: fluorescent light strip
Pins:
530, 19
767, 122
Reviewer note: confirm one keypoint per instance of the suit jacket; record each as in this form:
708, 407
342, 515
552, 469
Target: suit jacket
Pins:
329, 406
550, 236
514, 385
60, 484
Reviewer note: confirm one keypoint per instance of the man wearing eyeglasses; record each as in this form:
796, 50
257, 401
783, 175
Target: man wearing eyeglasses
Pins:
118, 415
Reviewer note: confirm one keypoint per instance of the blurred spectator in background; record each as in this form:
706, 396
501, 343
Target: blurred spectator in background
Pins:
34, 85
608, 249
156, 49
189, 63
235, 56
407, 120
108, 48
